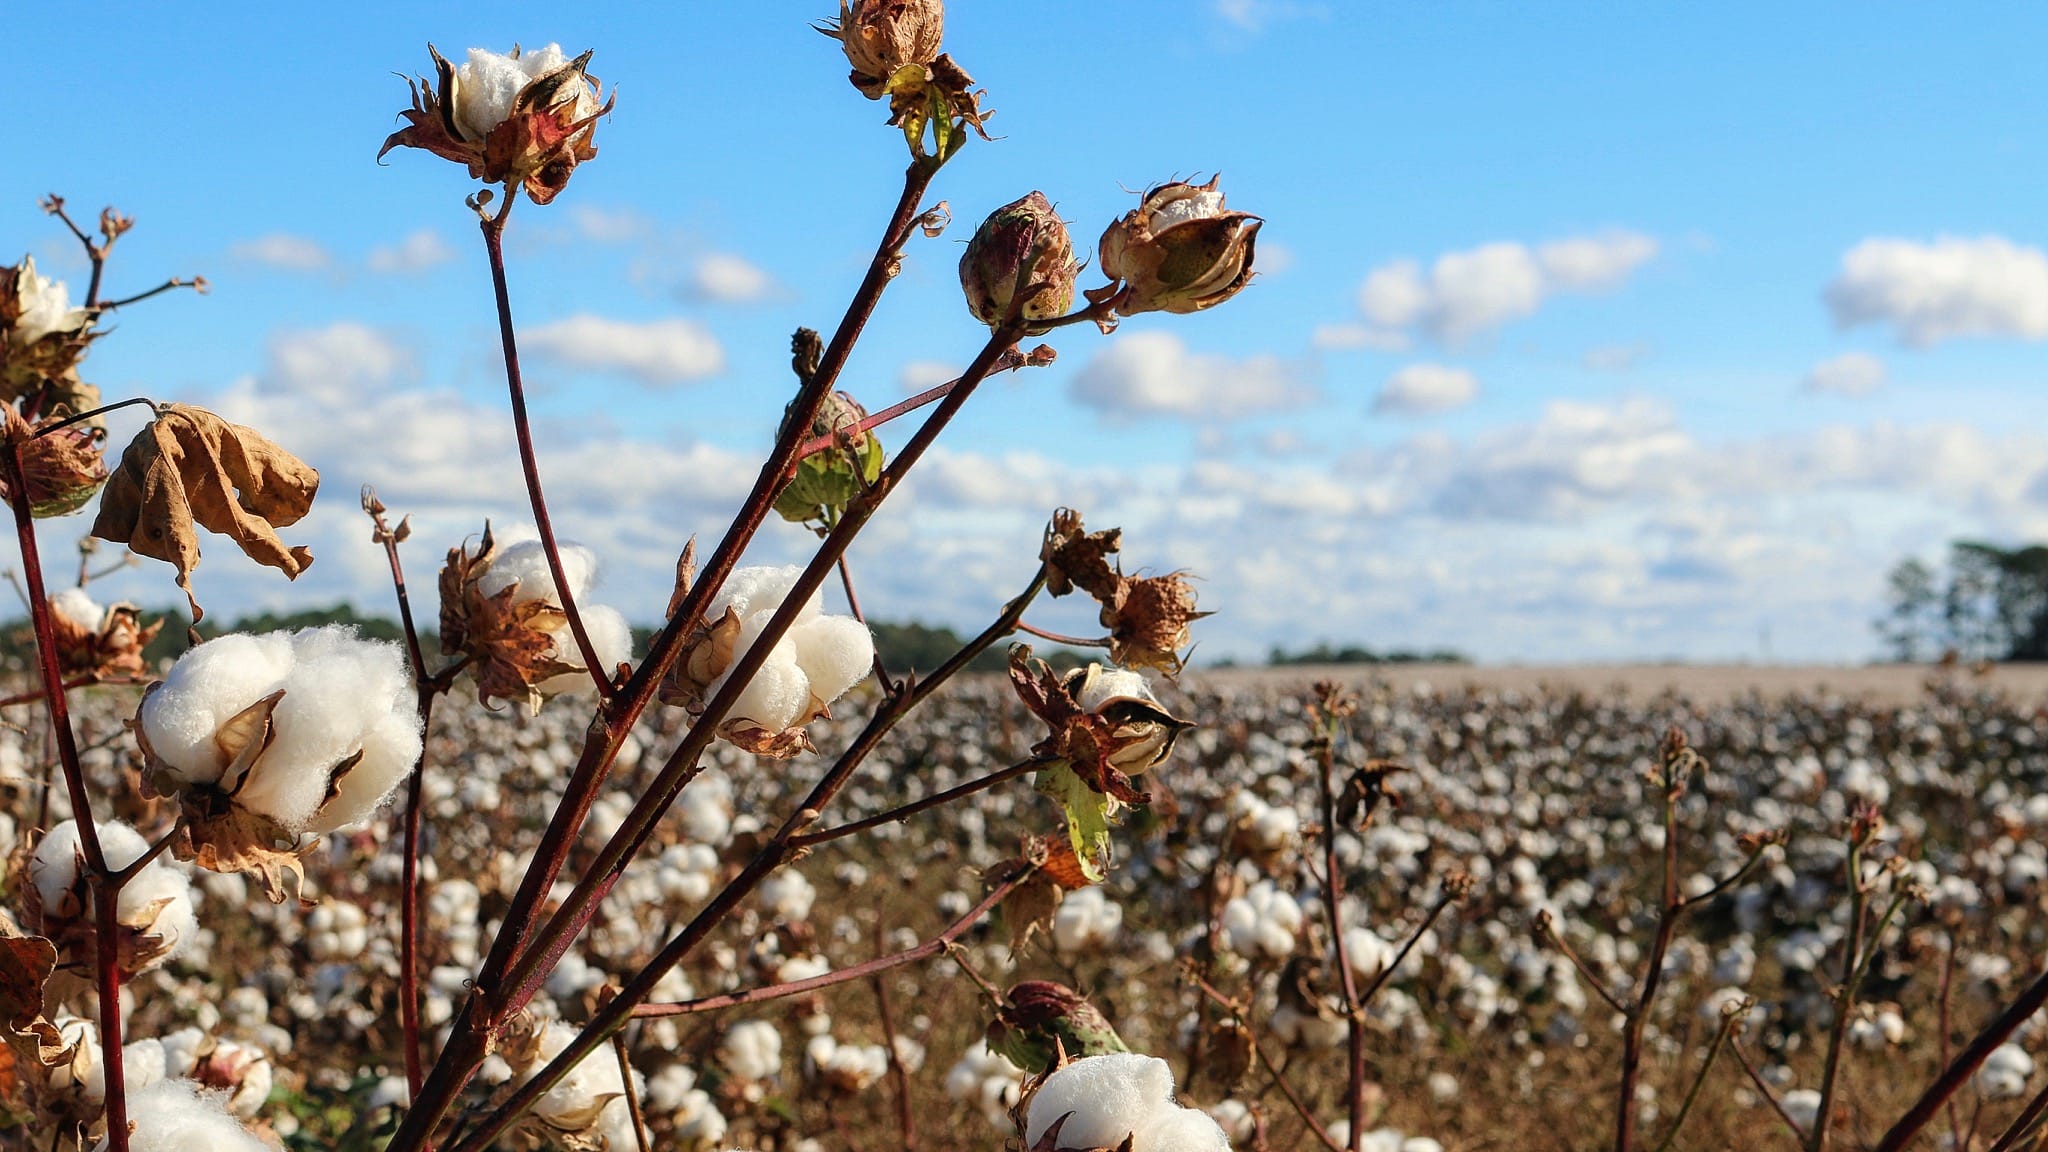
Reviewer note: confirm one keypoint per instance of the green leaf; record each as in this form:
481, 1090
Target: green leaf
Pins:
825, 483
1087, 816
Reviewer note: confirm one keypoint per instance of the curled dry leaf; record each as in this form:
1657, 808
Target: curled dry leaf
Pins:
1147, 616
190, 467
510, 648
26, 963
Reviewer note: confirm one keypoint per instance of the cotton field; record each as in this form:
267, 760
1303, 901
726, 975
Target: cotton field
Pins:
1501, 907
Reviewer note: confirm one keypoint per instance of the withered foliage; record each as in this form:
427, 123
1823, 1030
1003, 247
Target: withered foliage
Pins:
1147, 616
510, 648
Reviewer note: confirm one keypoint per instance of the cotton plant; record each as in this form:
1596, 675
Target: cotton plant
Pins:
809, 667
182, 1116
264, 740
1265, 922
155, 911
987, 1081
502, 615
587, 1110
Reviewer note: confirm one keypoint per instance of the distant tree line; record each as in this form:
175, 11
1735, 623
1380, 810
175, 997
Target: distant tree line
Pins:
1991, 603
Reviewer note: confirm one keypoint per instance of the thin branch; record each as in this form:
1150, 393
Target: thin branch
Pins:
632, 1097
1069, 641
1763, 1086
1333, 709
1450, 896
197, 283
1692, 1094
1546, 925
1301, 1108
936, 799
899, 1076
89, 413
1965, 1065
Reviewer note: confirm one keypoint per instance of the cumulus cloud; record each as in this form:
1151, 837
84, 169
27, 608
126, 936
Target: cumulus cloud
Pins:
609, 225
657, 353
1614, 357
283, 250
1951, 288
1464, 294
728, 279
1153, 374
416, 253
1421, 389
919, 375
1850, 374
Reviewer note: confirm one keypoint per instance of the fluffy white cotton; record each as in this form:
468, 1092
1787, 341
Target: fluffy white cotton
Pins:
1108, 1098
695, 1116
2005, 1073
787, 895
1803, 1106
848, 1067
488, 83
177, 1116
156, 901
526, 565
988, 1081
45, 306
76, 606
581, 1094
1103, 684
343, 695
1264, 921
814, 663
1087, 920
752, 1050
610, 636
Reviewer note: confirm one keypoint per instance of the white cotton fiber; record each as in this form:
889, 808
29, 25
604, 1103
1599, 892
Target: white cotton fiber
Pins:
577, 1097
835, 652
751, 590
206, 687
752, 1050
1109, 1097
54, 869
77, 607
342, 694
609, 634
488, 84
177, 1116
1103, 684
776, 696
526, 564
1180, 1130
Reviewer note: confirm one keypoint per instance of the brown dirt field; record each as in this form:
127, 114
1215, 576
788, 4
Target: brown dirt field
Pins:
1705, 683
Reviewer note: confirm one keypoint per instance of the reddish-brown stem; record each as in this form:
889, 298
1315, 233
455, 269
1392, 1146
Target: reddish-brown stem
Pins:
106, 884
773, 855
1547, 927
1853, 962
632, 1097
1333, 911
1449, 897
936, 799
899, 1076
1948, 978
1965, 1065
409, 884
864, 971
86, 681
484, 1012
1669, 909
89, 413
533, 964
1069, 641
95, 252
1764, 1086
1301, 1108
494, 246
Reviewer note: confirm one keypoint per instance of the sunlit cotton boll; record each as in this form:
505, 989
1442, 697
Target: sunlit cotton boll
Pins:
488, 83
344, 698
695, 1118
1803, 1106
525, 565
787, 895
2005, 1073
1106, 1099
580, 1101
178, 1116
155, 905
1263, 921
813, 664
989, 1082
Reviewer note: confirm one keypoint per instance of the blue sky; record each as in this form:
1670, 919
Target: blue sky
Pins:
1585, 332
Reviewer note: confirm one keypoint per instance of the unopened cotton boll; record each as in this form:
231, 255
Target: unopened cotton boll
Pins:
343, 734
1107, 1099
178, 1116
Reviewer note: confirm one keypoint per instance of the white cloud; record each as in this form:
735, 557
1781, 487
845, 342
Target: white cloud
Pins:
1951, 288
283, 250
1468, 293
609, 225
416, 253
728, 279
657, 353
919, 375
1850, 374
1420, 389
1614, 357
1338, 337
1154, 374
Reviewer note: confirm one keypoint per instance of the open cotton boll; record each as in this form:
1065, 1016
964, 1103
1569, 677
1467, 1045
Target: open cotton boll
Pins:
177, 1116
610, 636
1108, 1098
54, 869
762, 589
2005, 1073
526, 564
76, 606
488, 85
206, 687
752, 1050
835, 653
578, 1100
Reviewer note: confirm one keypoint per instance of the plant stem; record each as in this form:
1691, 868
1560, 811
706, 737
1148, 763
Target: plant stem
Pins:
104, 882
1301, 1108
494, 247
1692, 1094
899, 1076
1669, 908
1965, 1065
409, 884
1333, 909
1770, 1094
936, 799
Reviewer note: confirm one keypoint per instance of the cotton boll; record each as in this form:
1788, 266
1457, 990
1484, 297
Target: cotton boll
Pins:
761, 589
1263, 921
525, 564
76, 606
1235, 1118
1107, 1098
206, 687
1087, 920
338, 691
2005, 1073
177, 1116
988, 1081
777, 695
56, 867
835, 653
1803, 1106
390, 749
787, 895
577, 1102
1179, 1130
752, 1050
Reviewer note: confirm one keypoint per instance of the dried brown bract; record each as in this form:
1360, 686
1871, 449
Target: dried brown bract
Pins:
893, 46
1180, 250
190, 467
112, 649
61, 467
1148, 617
535, 142
510, 647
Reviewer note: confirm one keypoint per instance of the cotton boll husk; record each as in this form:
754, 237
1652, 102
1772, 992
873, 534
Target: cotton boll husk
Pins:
526, 564
203, 689
390, 750
174, 919
1108, 1095
177, 1116
76, 606
835, 653
489, 84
